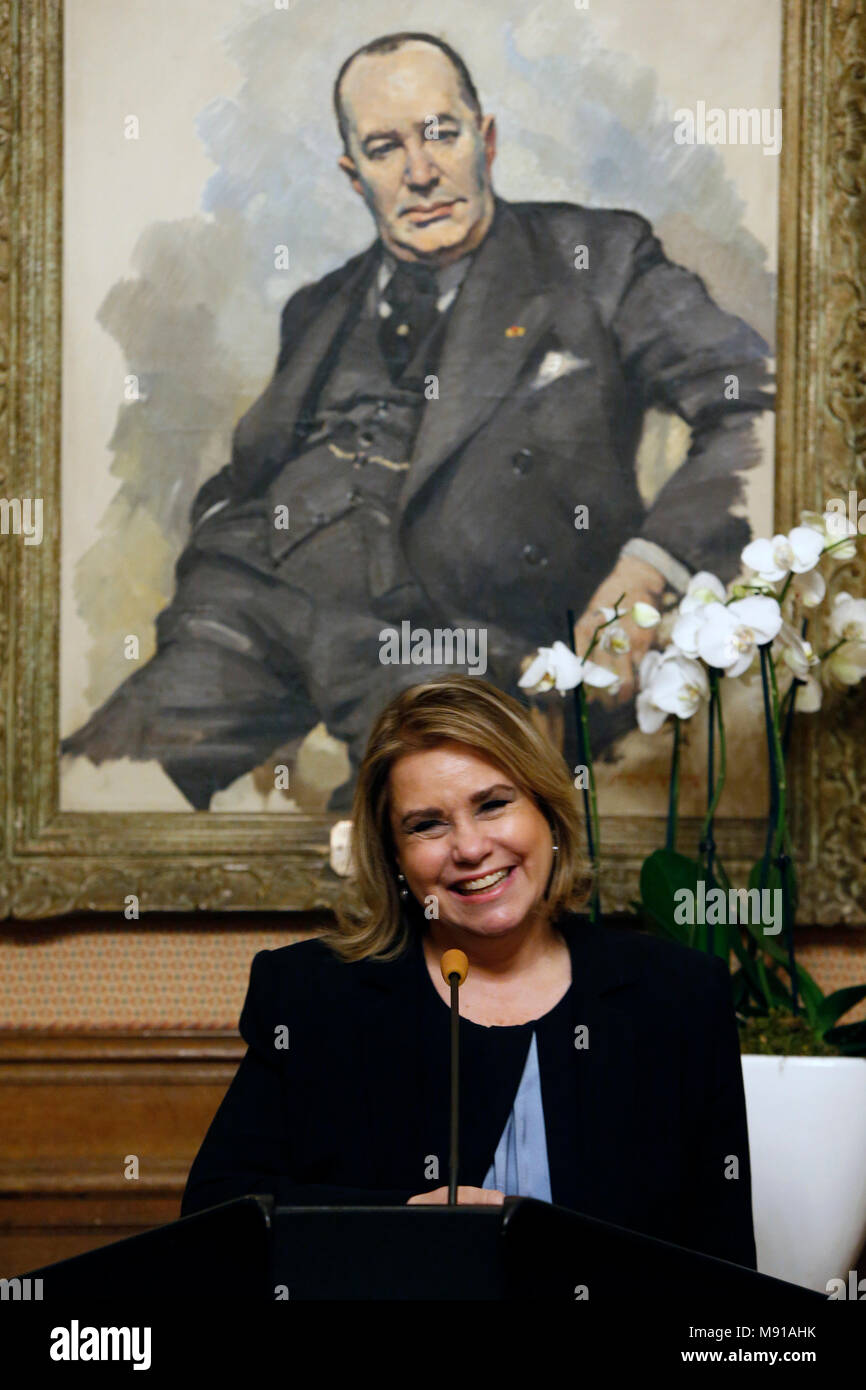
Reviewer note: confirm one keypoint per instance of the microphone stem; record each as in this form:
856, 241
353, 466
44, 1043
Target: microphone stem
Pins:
455, 1083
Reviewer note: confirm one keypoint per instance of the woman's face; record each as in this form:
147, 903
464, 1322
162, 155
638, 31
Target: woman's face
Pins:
456, 817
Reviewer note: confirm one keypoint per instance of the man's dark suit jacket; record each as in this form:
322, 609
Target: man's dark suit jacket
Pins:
504, 455
547, 367
341, 1115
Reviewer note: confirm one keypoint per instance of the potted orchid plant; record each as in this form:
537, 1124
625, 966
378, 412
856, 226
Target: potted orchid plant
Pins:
804, 1072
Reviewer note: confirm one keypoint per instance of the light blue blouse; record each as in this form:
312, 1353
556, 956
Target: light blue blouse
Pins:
520, 1167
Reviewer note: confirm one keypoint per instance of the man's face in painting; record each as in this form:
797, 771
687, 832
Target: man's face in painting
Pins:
426, 181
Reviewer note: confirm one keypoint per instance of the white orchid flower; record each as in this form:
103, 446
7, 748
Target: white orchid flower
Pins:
703, 588
772, 560
670, 683
645, 615
797, 653
614, 639
809, 588
848, 664
685, 632
835, 528
848, 618
729, 636
558, 666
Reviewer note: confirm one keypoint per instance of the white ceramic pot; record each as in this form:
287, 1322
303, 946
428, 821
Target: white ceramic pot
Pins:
807, 1142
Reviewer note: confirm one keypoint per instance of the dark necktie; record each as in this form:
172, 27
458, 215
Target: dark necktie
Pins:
411, 294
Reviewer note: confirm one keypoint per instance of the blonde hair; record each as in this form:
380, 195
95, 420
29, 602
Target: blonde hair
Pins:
371, 919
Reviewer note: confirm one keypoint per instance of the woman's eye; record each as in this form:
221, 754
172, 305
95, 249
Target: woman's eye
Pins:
426, 824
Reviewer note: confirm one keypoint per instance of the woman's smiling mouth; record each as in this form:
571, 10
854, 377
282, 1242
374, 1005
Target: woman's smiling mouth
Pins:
486, 885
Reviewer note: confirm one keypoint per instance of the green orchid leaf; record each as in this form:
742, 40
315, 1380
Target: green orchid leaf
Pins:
850, 1038
834, 1005
664, 873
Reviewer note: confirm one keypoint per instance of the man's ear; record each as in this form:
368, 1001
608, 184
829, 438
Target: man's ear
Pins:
350, 169
488, 135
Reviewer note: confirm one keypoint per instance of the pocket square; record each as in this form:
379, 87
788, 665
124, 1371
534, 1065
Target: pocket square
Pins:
554, 365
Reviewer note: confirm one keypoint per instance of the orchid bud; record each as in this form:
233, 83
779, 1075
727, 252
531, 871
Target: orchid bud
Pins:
645, 615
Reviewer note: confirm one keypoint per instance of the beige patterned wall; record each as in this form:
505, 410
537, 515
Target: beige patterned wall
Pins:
87, 975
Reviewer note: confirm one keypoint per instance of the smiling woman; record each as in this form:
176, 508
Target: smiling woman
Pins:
600, 1068
458, 784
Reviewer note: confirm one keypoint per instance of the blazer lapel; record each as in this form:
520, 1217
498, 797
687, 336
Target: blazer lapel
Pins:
503, 308
405, 1079
606, 1072
403, 1073
389, 1038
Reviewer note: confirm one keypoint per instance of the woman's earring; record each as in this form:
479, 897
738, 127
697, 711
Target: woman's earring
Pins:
556, 849
404, 891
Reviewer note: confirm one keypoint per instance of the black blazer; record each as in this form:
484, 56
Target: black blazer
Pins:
646, 1123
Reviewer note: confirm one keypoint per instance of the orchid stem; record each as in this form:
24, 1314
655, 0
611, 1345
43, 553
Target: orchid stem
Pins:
774, 793
674, 791
590, 801
788, 712
714, 787
775, 854
595, 902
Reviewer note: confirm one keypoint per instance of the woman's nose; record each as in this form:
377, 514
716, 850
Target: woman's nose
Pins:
468, 842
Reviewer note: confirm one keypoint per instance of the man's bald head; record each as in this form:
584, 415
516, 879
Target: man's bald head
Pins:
390, 43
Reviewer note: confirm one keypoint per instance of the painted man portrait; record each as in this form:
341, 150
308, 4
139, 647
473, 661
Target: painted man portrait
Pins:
448, 439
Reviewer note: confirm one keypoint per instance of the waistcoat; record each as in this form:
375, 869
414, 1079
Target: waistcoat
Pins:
364, 424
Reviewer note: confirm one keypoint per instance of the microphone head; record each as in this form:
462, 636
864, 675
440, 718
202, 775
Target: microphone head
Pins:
454, 961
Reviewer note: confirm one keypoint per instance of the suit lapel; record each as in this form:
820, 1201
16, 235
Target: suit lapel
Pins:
505, 305
265, 435
475, 371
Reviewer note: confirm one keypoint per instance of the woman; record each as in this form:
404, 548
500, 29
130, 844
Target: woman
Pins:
600, 1067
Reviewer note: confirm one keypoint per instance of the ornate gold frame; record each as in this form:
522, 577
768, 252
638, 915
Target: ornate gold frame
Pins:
54, 863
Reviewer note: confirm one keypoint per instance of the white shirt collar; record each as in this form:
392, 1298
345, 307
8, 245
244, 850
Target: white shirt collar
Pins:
449, 278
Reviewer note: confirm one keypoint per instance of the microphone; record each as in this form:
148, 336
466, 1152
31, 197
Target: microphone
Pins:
455, 967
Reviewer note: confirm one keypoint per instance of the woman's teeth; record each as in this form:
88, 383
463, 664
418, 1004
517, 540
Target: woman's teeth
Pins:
479, 885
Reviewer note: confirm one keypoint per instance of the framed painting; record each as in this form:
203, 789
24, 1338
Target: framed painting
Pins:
343, 352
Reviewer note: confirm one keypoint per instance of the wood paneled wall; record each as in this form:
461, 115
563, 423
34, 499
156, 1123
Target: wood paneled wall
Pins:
73, 1109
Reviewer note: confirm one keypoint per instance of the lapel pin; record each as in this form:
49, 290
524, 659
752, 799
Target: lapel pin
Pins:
515, 331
